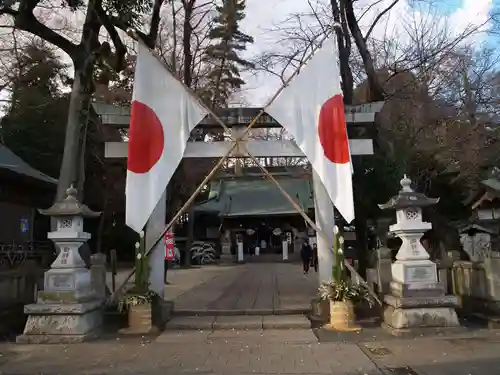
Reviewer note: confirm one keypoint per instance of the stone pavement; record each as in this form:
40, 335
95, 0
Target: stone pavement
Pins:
258, 288
193, 352
238, 322
264, 288
467, 354
259, 352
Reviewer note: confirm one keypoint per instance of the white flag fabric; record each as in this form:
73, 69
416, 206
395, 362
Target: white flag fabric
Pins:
311, 109
163, 113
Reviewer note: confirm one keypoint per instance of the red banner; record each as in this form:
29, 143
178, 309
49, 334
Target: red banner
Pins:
169, 246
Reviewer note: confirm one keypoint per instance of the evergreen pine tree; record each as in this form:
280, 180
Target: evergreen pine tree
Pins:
223, 55
35, 122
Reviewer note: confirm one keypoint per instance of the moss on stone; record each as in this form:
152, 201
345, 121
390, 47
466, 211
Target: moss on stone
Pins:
58, 297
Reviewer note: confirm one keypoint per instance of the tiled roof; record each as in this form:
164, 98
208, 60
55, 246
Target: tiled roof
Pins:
12, 162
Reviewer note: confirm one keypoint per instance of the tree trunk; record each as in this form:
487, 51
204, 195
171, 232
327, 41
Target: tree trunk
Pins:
444, 235
186, 43
72, 166
344, 46
376, 90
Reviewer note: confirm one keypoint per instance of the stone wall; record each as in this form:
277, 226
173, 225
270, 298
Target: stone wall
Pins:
477, 284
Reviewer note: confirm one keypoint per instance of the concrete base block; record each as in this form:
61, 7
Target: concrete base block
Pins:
238, 322
162, 312
422, 331
56, 339
418, 315
191, 323
424, 290
286, 322
54, 324
421, 302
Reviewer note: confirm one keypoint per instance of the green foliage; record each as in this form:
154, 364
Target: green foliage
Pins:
132, 298
343, 291
140, 293
222, 54
341, 288
129, 11
34, 126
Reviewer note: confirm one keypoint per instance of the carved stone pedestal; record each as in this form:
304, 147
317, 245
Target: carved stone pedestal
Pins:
416, 309
61, 323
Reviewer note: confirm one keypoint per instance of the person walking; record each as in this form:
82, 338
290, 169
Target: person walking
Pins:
305, 254
314, 258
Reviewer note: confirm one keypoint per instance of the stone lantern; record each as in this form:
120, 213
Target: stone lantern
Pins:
68, 309
417, 299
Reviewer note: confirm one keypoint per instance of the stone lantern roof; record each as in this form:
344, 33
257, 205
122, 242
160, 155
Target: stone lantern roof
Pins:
407, 198
70, 206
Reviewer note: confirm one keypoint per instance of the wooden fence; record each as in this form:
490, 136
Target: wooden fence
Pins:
21, 274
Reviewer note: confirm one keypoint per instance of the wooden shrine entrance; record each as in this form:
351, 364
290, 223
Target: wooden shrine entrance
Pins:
236, 119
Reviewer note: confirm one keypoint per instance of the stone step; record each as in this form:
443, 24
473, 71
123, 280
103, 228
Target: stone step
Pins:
232, 312
238, 322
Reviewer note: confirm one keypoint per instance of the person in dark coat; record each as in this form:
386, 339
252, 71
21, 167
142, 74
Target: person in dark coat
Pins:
306, 254
314, 258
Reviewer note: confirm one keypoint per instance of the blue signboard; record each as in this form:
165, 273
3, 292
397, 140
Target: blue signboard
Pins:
24, 225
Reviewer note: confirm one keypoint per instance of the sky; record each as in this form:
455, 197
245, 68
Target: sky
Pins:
261, 15
459, 14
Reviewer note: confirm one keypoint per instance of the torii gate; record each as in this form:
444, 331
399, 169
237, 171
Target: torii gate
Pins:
237, 119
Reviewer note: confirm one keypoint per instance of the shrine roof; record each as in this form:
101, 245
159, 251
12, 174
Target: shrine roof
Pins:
491, 228
12, 162
256, 197
491, 185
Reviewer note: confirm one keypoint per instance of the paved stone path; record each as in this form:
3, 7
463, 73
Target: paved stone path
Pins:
192, 352
239, 322
264, 288
250, 288
258, 352
468, 354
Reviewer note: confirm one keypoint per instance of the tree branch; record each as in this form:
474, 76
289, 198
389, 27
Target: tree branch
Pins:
9, 11
26, 20
155, 23
120, 49
150, 38
376, 89
379, 16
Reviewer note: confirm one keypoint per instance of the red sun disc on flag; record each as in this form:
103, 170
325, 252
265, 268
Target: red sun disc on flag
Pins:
146, 139
332, 131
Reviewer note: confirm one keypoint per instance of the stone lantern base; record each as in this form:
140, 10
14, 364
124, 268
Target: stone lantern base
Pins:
68, 310
418, 309
61, 323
